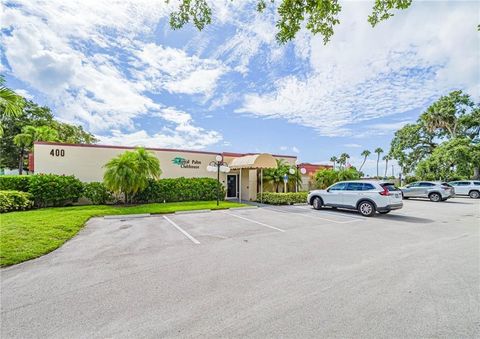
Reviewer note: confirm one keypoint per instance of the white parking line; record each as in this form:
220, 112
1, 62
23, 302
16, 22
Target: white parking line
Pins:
254, 221
307, 215
195, 241
337, 214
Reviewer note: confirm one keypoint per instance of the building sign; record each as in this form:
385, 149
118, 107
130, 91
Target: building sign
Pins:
186, 163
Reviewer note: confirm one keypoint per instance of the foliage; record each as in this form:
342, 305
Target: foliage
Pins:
334, 160
15, 182
327, 177
283, 198
15, 201
55, 190
97, 193
11, 104
275, 175
342, 159
30, 234
35, 116
365, 155
318, 16
128, 173
452, 123
180, 189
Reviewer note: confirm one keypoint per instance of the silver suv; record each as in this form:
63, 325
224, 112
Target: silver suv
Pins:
433, 190
365, 196
467, 187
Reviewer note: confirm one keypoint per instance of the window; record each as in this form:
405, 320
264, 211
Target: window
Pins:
426, 184
354, 186
368, 187
389, 186
414, 184
476, 183
463, 183
338, 187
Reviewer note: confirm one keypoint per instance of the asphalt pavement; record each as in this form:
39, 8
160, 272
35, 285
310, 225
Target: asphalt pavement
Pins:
272, 272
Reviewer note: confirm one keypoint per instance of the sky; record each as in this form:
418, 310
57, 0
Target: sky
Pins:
117, 68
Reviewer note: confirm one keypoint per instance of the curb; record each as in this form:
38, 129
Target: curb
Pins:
127, 216
244, 208
192, 212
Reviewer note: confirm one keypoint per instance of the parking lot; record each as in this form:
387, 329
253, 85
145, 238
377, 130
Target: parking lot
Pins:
257, 272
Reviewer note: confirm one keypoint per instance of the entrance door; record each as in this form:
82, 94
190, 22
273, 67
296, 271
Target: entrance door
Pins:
231, 186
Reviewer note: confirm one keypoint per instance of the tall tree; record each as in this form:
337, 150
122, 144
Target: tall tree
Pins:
379, 151
334, 160
451, 117
386, 158
318, 16
365, 155
342, 160
29, 135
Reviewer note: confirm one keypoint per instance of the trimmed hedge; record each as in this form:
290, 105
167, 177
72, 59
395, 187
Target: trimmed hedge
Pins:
97, 193
15, 201
180, 189
55, 190
283, 198
15, 182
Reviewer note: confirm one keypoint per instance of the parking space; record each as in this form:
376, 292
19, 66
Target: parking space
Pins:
287, 271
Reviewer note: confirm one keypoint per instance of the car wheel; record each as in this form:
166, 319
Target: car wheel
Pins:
435, 197
366, 208
384, 212
317, 203
474, 194
406, 198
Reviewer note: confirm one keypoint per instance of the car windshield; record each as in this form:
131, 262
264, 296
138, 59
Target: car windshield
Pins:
389, 186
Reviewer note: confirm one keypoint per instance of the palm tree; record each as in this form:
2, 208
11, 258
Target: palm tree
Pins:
386, 157
343, 159
365, 154
29, 135
379, 151
129, 172
334, 159
275, 175
11, 104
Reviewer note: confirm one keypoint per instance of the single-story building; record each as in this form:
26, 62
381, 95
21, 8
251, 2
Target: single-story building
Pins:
86, 163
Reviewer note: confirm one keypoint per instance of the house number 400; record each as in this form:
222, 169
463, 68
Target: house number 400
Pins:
57, 152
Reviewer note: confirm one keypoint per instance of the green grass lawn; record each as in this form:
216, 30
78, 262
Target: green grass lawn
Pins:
30, 234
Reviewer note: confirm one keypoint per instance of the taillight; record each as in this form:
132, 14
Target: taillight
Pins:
385, 192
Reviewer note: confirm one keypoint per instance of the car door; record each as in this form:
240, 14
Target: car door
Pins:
411, 190
353, 191
424, 189
334, 194
463, 187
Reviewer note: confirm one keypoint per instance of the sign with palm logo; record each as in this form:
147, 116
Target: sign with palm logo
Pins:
178, 161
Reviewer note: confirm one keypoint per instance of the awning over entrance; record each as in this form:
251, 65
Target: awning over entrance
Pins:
255, 161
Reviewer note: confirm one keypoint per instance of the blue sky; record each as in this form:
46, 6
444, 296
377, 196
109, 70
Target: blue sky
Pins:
118, 69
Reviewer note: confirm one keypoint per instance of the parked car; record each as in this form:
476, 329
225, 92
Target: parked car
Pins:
467, 187
367, 197
433, 190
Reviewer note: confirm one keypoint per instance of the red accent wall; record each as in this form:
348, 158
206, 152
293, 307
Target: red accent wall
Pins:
31, 162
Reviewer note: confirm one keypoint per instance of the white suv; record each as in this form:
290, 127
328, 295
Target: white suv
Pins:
467, 187
365, 196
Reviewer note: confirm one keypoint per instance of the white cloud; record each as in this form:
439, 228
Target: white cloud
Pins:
365, 73
24, 93
71, 54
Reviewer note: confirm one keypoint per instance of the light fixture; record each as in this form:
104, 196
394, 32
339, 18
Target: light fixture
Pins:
218, 165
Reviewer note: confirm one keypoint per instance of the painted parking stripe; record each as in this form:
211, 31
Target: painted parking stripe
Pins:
309, 215
185, 233
337, 214
254, 221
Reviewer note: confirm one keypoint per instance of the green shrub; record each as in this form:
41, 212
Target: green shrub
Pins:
283, 198
327, 177
180, 189
15, 201
15, 182
97, 193
55, 190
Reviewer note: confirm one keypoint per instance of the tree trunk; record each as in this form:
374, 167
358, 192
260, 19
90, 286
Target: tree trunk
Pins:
386, 168
363, 163
476, 172
20, 162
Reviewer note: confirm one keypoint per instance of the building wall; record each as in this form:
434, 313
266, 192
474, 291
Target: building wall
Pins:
86, 163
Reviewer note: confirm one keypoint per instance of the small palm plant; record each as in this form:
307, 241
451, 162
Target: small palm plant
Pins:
275, 175
128, 173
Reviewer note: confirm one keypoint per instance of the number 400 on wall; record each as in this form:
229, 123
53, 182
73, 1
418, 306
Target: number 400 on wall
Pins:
56, 152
